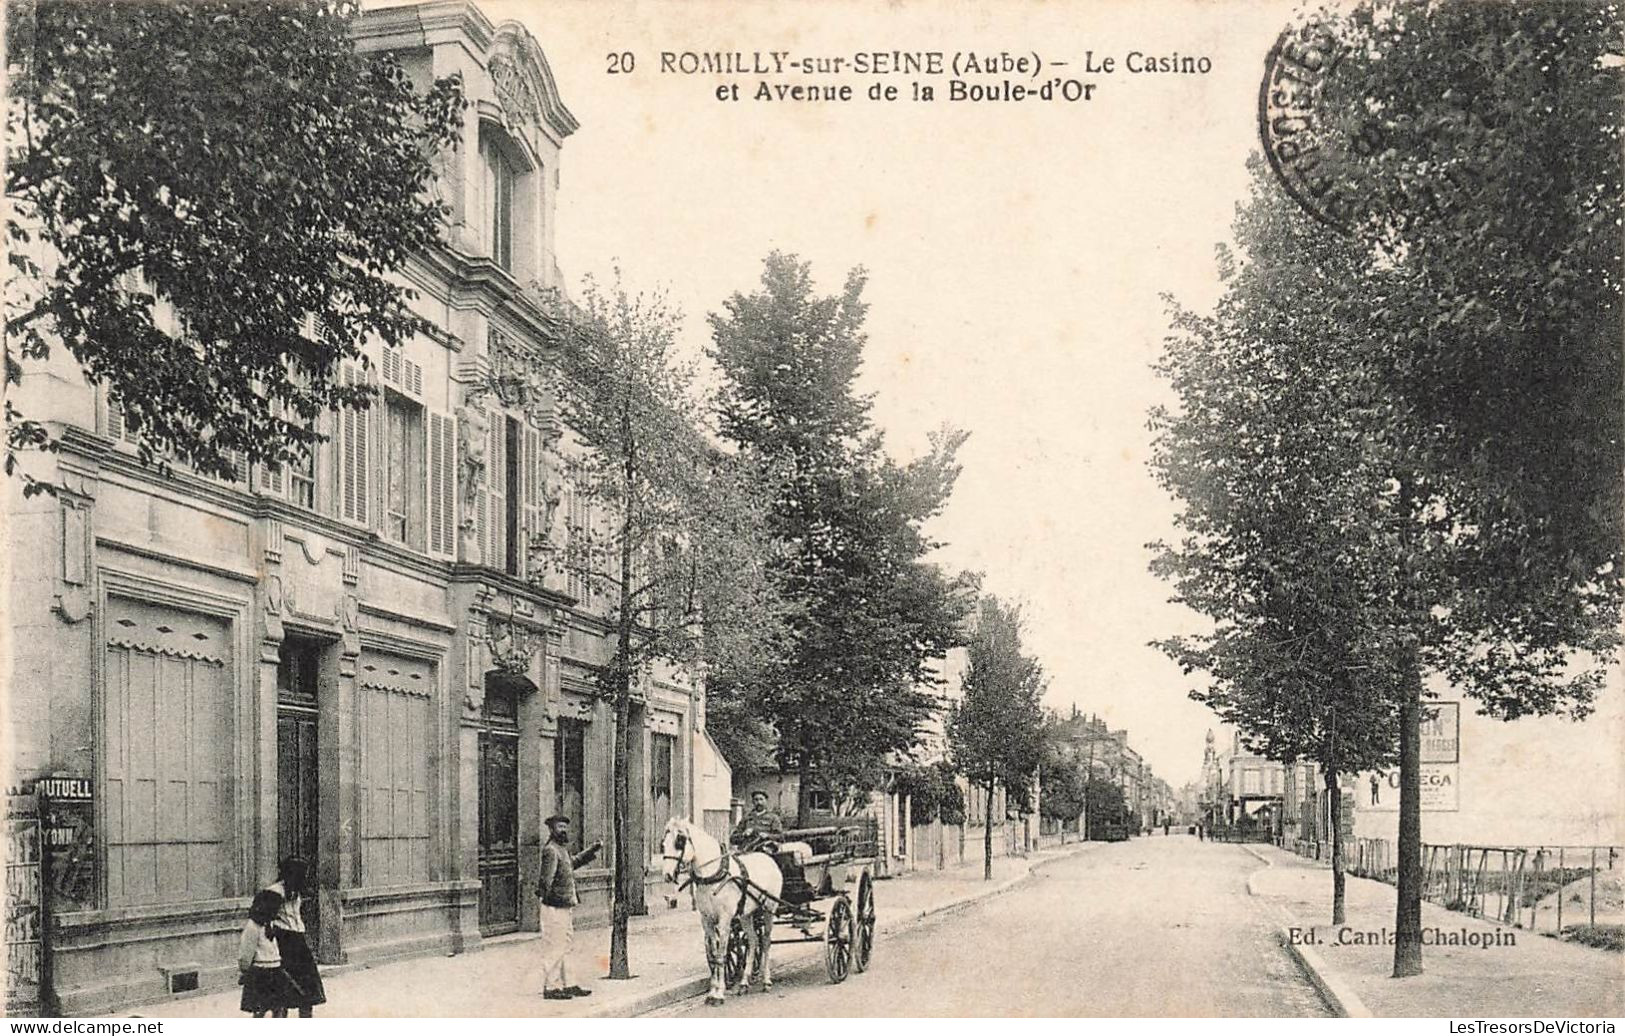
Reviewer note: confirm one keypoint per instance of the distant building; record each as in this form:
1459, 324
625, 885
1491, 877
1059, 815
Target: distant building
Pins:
1105, 754
1240, 787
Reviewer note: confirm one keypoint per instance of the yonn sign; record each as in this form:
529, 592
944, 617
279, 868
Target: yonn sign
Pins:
1378, 790
1441, 732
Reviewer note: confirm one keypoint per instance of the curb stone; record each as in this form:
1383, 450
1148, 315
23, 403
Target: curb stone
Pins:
1339, 996
689, 988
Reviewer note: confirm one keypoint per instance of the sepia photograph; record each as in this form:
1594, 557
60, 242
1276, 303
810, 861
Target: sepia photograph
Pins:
532, 509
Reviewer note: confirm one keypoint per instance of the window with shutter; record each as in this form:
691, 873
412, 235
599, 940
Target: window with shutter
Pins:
442, 483
513, 449
532, 472
113, 420
496, 494
404, 479
271, 480
354, 482
577, 545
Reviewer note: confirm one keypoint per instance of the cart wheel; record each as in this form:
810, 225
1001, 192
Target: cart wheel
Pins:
863, 935
737, 957
838, 939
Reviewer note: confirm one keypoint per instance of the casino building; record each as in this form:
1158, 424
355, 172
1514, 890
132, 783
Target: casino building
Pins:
372, 660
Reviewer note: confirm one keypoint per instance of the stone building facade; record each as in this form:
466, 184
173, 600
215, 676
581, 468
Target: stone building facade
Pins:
377, 661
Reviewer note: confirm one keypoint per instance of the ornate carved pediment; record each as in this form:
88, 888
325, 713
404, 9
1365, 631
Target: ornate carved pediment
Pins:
520, 377
524, 83
515, 91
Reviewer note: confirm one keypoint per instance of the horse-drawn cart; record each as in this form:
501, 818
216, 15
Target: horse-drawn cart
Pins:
818, 863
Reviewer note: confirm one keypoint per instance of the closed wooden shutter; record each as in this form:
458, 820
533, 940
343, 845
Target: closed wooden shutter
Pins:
112, 420
271, 479
496, 492
165, 718
578, 533
354, 481
442, 482
531, 475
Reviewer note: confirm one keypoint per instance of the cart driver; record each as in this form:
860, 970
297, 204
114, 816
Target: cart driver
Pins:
760, 826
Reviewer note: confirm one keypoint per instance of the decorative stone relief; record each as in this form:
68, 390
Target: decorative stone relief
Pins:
473, 431
514, 91
273, 542
72, 599
386, 673
474, 664
350, 639
161, 631
271, 605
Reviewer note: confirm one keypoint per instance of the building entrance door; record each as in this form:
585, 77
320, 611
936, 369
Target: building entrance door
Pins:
499, 811
296, 763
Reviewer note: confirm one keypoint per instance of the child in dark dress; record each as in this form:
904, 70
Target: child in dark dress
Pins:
289, 930
266, 986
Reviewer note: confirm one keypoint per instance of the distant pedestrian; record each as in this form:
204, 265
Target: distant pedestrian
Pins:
557, 887
292, 882
266, 987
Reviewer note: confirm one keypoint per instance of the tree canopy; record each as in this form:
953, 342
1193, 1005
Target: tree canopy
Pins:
869, 612
995, 728
675, 537
209, 200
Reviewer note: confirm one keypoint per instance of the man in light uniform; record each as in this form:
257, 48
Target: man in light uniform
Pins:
557, 887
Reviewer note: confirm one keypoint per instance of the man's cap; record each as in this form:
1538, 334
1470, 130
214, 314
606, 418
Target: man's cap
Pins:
556, 818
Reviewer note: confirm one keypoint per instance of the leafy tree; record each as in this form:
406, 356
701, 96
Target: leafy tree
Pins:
933, 793
1283, 502
869, 612
1063, 776
1492, 135
1104, 806
995, 729
208, 200
681, 550
1063, 791
1326, 531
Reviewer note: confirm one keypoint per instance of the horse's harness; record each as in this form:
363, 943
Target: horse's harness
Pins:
724, 871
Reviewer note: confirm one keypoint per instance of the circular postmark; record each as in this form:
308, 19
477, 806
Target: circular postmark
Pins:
1322, 135
1307, 151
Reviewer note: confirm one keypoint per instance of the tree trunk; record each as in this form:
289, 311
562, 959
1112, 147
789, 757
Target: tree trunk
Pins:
1408, 910
629, 852
621, 904
1335, 804
987, 836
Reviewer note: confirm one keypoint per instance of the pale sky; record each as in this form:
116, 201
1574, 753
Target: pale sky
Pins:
1015, 250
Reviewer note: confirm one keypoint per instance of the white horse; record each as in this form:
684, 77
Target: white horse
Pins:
725, 885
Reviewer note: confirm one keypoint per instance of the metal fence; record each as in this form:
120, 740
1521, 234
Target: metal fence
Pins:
1551, 888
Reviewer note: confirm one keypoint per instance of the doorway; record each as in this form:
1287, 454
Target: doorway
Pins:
499, 808
297, 769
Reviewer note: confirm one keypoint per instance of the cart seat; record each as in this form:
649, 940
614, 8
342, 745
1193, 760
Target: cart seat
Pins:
794, 852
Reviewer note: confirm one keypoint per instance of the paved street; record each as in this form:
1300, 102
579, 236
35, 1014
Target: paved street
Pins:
1153, 926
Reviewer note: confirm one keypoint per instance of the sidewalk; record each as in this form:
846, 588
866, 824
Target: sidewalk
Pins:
1511, 973
667, 952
